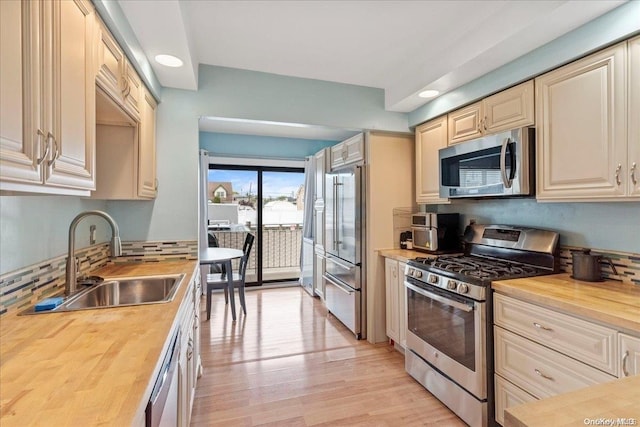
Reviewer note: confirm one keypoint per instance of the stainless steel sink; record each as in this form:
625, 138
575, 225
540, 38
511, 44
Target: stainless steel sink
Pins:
119, 292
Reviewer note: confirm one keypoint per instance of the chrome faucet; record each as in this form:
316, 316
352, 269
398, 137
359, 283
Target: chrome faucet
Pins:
72, 261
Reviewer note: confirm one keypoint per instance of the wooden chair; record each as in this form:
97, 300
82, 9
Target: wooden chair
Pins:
219, 280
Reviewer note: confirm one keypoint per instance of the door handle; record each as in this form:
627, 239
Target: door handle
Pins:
503, 163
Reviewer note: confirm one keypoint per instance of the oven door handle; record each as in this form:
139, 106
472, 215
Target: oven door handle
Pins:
443, 300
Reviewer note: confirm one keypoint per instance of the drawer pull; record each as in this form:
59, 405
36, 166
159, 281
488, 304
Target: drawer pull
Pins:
539, 326
546, 377
624, 363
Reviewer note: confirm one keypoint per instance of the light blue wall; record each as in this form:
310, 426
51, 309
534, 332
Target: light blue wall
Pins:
616, 25
231, 145
35, 228
225, 92
229, 92
606, 226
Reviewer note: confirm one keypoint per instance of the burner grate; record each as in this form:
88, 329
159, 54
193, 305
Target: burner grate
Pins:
477, 267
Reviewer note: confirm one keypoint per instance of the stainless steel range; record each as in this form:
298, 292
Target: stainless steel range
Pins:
449, 312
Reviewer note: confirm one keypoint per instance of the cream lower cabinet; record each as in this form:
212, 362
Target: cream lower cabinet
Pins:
539, 352
629, 355
430, 137
47, 139
189, 364
396, 306
508, 109
583, 149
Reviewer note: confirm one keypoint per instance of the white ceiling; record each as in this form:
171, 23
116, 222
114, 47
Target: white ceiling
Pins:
402, 47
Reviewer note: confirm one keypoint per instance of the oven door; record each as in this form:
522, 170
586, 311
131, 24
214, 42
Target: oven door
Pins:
448, 331
496, 165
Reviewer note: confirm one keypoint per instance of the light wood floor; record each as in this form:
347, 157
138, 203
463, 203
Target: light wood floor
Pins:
288, 363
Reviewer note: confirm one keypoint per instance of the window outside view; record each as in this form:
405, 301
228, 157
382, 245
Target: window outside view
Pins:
233, 212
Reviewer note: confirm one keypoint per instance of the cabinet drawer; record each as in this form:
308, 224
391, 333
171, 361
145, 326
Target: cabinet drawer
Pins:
508, 395
590, 343
541, 371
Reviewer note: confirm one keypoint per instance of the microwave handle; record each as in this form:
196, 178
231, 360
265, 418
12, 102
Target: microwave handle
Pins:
506, 180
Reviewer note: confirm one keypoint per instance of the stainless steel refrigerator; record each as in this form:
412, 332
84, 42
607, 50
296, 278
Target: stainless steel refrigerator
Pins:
344, 246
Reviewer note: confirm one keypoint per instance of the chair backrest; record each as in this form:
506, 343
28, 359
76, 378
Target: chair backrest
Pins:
213, 240
246, 248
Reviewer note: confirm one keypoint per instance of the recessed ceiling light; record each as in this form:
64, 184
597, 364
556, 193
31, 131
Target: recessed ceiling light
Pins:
429, 93
169, 60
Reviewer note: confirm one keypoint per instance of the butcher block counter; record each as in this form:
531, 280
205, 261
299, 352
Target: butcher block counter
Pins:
88, 367
610, 303
403, 255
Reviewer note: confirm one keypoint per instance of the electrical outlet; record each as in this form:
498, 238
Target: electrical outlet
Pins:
92, 234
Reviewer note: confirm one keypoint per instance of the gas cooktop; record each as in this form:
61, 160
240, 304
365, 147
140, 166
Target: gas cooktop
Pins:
476, 269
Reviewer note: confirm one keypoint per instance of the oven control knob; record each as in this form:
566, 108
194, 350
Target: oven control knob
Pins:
410, 271
433, 279
418, 274
452, 284
462, 288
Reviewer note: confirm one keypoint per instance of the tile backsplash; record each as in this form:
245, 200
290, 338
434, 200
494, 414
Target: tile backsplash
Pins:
627, 264
22, 288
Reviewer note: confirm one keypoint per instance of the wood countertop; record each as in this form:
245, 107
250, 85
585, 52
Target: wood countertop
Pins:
87, 367
610, 401
403, 255
609, 302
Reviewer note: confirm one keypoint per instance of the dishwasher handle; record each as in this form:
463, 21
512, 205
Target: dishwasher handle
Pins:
160, 391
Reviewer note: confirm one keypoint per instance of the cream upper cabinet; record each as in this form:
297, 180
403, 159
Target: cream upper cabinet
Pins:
347, 152
126, 150
110, 63
52, 43
115, 74
581, 115
634, 117
133, 92
23, 143
629, 355
147, 181
509, 109
465, 123
430, 137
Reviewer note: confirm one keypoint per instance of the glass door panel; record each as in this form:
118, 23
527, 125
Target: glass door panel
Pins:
282, 214
231, 212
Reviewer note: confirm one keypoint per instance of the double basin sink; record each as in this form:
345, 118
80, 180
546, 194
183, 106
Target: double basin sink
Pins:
119, 292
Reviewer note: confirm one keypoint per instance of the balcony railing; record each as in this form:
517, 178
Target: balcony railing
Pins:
281, 245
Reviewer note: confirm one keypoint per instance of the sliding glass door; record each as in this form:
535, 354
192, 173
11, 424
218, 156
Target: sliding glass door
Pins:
264, 201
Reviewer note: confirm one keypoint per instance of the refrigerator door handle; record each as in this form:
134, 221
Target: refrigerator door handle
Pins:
342, 264
343, 288
335, 213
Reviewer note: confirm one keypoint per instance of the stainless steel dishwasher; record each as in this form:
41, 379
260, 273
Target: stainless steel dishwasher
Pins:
162, 409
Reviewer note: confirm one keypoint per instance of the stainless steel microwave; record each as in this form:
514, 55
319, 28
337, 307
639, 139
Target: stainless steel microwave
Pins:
493, 166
